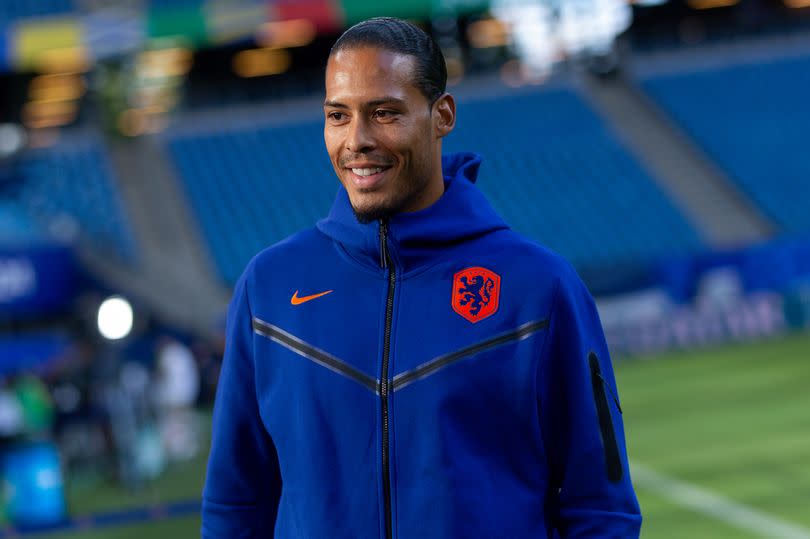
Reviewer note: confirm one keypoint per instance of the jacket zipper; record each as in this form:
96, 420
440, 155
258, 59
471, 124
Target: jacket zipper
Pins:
612, 459
385, 262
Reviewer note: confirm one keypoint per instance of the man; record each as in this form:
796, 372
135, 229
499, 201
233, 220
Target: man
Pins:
412, 368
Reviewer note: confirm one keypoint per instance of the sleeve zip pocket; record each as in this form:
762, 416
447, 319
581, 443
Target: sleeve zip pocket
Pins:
611, 446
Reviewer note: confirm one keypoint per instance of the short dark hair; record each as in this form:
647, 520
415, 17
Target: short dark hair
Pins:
401, 37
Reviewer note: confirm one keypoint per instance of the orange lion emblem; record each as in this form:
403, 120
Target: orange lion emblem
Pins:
475, 293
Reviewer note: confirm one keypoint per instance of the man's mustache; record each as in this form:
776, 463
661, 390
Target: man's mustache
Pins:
379, 160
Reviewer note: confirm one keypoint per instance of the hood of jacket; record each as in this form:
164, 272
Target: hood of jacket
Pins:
419, 238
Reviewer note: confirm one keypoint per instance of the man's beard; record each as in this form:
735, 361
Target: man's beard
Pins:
388, 208
373, 214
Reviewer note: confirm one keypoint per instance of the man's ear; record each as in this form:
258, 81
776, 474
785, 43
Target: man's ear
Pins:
444, 115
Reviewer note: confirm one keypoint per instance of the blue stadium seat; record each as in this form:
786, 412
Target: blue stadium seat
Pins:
558, 174
551, 167
71, 192
14, 10
252, 188
16, 226
752, 120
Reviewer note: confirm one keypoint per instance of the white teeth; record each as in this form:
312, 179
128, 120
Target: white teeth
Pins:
366, 171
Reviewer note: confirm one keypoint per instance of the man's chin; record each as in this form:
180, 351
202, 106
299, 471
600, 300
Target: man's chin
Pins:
372, 213
368, 207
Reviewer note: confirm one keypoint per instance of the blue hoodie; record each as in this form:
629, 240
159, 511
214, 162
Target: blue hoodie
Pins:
433, 376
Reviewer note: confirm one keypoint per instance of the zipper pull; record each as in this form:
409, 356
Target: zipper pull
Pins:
383, 243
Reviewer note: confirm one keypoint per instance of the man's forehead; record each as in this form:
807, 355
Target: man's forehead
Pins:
382, 58
365, 66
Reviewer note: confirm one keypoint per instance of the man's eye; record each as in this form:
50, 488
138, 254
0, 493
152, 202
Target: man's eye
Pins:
336, 116
384, 114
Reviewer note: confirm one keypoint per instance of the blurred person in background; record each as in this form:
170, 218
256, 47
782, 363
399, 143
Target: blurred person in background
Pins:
411, 367
11, 414
177, 385
36, 405
30, 463
208, 354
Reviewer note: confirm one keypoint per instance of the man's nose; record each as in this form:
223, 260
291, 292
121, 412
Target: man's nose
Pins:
358, 138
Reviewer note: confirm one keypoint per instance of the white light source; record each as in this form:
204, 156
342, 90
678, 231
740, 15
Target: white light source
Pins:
544, 32
12, 139
115, 318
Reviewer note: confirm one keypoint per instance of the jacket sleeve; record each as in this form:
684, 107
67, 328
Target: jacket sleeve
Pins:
591, 495
243, 483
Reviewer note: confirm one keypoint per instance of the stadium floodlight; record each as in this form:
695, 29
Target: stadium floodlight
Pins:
115, 318
12, 140
543, 32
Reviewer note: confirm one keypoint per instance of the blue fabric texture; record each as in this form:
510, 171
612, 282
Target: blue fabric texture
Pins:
507, 426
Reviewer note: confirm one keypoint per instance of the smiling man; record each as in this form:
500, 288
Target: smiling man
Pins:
411, 367
385, 119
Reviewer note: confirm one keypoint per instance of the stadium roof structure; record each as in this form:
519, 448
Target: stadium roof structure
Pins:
33, 43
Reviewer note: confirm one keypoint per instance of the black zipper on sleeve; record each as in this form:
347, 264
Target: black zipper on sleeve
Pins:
612, 458
385, 262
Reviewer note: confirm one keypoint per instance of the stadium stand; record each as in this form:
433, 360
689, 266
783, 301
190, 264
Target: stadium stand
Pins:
557, 173
751, 119
551, 167
250, 189
16, 226
14, 10
69, 193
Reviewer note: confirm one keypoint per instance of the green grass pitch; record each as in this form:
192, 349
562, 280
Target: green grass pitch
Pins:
734, 420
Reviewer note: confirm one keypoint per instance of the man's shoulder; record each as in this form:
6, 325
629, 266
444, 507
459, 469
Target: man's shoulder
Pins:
533, 256
301, 247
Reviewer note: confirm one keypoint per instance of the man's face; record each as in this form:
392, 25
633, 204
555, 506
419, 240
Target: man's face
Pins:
380, 132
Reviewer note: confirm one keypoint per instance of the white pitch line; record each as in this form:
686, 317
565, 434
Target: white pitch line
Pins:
702, 501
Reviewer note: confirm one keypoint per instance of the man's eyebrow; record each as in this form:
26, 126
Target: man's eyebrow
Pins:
334, 104
385, 100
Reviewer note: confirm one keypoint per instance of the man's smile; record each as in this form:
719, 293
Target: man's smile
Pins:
367, 177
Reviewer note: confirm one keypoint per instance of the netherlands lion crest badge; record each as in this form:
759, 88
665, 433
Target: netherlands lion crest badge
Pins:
476, 292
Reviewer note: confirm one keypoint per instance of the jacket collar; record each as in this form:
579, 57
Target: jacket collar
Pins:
419, 238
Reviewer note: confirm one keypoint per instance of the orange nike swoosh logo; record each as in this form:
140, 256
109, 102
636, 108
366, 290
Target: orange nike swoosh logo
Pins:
295, 300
